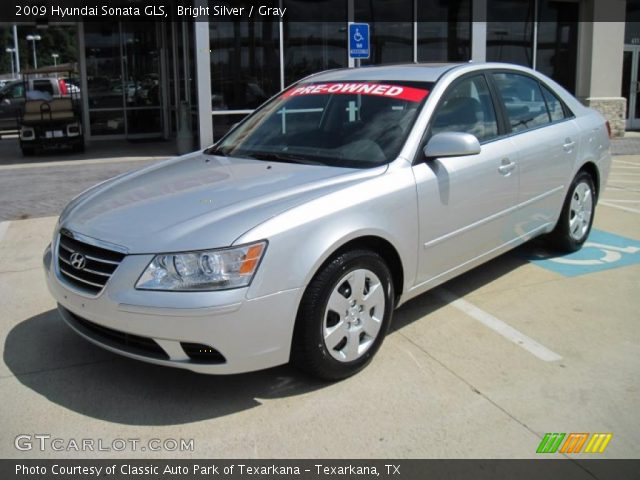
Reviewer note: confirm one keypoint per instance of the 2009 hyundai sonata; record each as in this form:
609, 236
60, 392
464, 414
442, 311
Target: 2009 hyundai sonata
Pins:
296, 235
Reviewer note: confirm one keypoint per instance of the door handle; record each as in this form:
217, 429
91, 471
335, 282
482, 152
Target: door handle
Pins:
506, 167
568, 145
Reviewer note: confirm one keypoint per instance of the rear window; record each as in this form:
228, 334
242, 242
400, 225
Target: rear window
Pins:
526, 108
43, 86
556, 111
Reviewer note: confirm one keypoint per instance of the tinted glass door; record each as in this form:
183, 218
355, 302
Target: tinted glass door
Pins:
631, 85
124, 79
140, 85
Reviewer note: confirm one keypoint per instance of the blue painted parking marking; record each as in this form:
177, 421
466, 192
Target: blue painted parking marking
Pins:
601, 251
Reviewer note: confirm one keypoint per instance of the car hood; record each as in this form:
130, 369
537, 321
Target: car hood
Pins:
198, 201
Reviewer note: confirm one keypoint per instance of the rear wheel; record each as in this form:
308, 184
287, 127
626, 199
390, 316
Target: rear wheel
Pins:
344, 316
576, 218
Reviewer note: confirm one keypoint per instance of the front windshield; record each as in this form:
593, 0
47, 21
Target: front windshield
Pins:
346, 124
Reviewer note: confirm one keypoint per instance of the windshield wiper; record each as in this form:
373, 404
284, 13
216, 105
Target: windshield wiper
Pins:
281, 157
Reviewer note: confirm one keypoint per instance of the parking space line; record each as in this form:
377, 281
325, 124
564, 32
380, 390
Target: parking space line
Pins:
4, 226
626, 163
619, 207
498, 326
621, 200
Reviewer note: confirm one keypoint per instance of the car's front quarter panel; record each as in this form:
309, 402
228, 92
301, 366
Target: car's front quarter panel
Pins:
251, 327
303, 238
251, 334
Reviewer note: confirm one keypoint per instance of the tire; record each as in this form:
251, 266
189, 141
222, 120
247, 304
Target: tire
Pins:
333, 345
576, 218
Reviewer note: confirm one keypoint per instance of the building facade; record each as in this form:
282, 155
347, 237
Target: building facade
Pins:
194, 80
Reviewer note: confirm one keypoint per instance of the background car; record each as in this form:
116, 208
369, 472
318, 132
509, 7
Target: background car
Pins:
14, 94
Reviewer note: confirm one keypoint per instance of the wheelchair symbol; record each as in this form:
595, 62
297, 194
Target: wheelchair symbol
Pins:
357, 36
610, 254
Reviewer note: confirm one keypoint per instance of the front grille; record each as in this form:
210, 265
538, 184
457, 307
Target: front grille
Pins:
99, 264
120, 340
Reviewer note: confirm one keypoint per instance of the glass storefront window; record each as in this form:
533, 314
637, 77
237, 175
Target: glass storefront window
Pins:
223, 123
311, 47
632, 23
510, 31
102, 50
558, 42
141, 65
391, 29
123, 78
144, 120
107, 122
245, 63
444, 41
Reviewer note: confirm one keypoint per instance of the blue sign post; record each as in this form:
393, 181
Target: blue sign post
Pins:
359, 40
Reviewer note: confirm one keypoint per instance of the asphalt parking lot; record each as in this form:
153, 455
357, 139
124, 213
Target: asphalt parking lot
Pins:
482, 367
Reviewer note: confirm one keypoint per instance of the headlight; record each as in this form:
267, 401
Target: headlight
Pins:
220, 269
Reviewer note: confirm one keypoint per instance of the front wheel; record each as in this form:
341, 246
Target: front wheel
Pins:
344, 316
577, 214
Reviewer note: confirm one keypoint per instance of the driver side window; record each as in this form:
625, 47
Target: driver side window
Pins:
467, 107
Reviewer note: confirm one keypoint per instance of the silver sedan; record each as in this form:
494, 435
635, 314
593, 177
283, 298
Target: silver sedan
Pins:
296, 235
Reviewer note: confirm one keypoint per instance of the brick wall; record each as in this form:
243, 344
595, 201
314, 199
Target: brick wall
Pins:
613, 109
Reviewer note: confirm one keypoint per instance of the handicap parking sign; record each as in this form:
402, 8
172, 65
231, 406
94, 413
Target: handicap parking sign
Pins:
601, 251
359, 40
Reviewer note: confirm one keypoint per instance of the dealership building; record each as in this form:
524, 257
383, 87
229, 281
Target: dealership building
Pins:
192, 80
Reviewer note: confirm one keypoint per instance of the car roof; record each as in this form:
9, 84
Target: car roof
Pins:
419, 72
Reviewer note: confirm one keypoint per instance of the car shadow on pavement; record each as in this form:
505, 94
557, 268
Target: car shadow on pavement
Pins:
46, 356
466, 283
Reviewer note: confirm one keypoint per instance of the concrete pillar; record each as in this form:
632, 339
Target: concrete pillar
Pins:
479, 32
82, 65
600, 53
203, 79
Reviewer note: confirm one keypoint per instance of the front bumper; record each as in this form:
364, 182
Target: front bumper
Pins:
162, 327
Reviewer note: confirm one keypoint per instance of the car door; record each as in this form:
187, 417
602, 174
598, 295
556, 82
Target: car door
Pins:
546, 138
462, 200
10, 105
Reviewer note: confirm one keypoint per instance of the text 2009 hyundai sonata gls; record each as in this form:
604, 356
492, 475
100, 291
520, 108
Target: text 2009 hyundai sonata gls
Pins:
296, 235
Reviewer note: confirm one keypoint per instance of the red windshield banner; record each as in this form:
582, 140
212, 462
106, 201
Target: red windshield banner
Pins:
378, 89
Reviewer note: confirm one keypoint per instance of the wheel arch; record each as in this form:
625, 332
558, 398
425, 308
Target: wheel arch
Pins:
592, 169
379, 245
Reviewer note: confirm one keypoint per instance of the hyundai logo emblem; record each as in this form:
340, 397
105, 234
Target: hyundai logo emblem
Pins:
78, 261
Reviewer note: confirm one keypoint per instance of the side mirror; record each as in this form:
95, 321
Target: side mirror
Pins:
451, 144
